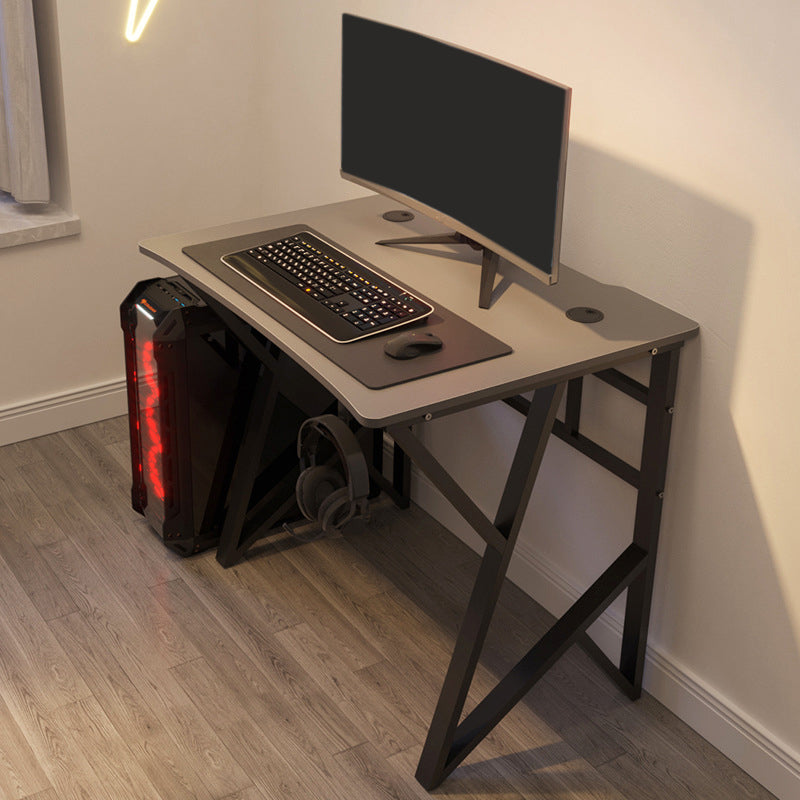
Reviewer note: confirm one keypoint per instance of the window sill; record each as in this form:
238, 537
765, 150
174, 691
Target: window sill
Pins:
21, 224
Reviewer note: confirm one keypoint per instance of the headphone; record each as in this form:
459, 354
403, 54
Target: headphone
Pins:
327, 494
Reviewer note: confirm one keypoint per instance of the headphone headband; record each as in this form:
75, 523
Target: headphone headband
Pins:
335, 430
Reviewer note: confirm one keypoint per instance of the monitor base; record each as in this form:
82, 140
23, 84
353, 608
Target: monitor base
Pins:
488, 264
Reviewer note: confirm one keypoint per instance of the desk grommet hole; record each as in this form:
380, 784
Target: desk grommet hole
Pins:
585, 314
398, 215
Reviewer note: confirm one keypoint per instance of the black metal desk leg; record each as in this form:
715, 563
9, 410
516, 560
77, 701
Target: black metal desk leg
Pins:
439, 756
401, 475
655, 449
245, 470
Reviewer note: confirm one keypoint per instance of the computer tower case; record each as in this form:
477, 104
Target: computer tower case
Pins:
181, 378
188, 396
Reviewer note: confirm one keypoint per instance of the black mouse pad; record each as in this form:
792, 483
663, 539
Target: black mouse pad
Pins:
462, 342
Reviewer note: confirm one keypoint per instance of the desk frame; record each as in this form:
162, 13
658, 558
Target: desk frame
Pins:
450, 741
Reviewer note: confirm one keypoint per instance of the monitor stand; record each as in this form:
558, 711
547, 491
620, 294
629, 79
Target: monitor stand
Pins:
488, 264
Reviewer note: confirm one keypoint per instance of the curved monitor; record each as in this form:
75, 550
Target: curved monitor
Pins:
470, 141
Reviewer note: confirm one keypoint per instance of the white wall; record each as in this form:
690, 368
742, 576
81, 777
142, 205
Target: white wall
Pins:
683, 183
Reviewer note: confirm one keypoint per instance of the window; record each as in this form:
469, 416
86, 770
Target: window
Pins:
50, 215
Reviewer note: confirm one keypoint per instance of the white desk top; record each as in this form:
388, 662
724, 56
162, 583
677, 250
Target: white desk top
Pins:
525, 313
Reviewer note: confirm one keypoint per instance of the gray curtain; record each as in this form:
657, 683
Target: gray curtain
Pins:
23, 156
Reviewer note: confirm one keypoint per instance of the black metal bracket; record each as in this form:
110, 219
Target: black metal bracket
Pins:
259, 499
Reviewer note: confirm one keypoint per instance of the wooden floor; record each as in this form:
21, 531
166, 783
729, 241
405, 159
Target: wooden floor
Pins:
308, 671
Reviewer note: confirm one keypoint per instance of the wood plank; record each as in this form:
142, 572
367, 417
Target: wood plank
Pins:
87, 734
271, 685
420, 559
366, 616
18, 548
654, 759
372, 776
89, 446
366, 708
248, 793
719, 770
47, 794
131, 623
318, 611
121, 453
63, 758
537, 762
412, 657
112, 531
409, 695
110, 431
338, 561
270, 767
18, 454
35, 673
242, 591
165, 733
466, 783
21, 502
21, 774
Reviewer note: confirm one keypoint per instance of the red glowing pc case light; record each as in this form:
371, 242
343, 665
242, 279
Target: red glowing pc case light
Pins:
181, 378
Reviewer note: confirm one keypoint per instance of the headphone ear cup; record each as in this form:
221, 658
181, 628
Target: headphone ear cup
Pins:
335, 509
313, 486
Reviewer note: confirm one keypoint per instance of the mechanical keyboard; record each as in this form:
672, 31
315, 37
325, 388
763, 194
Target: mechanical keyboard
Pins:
332, 291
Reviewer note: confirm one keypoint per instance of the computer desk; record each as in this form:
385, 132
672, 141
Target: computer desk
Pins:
551, 356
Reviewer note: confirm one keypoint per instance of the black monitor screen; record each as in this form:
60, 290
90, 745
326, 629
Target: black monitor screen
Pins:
474, 142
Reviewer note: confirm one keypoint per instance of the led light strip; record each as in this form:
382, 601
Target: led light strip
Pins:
153, 445
133, 29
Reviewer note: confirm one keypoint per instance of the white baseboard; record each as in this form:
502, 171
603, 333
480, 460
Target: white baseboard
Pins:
755, 750
59, 412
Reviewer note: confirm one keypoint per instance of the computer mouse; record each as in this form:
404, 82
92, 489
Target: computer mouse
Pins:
411, 344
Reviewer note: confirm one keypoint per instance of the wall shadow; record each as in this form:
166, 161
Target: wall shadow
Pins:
626, 225
719, 604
